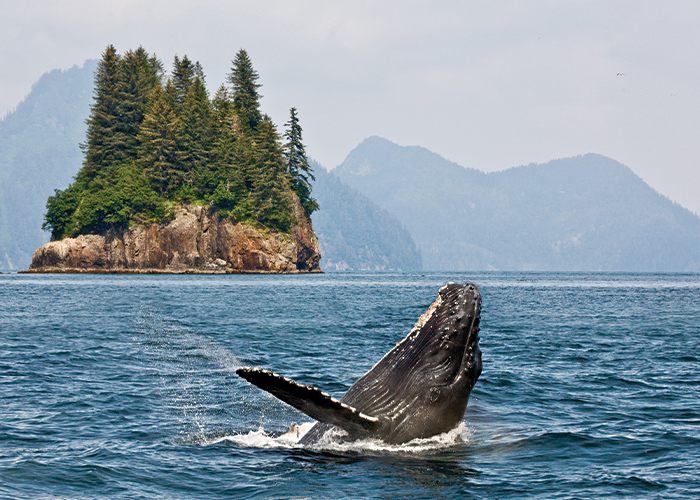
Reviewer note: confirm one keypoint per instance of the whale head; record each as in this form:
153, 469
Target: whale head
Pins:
421, 387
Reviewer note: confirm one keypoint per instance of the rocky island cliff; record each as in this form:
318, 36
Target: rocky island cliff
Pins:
175, 182
197, 241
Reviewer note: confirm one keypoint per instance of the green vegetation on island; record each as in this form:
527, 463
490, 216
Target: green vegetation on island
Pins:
153, 142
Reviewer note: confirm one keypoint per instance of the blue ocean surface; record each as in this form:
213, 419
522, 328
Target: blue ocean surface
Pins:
124, 386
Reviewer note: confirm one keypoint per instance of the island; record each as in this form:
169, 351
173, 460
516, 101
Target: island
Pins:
174, 181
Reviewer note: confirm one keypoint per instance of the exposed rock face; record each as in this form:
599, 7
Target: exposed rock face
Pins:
197, 241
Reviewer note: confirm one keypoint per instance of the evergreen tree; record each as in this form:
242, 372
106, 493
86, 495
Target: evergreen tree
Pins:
221, 104
270, 189
139, 75
218, 168
246, 99
227, 175
104, 142
298, 164
159, 155
195, 136
122, 85
198, 71
182, 78
122, 89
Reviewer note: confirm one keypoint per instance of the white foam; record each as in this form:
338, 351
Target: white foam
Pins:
459, 434
330, 442
253, 439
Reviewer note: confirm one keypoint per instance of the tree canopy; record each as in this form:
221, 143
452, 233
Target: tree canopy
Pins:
154, 141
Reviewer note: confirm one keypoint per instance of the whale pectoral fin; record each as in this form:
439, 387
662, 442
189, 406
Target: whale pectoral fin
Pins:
312, 401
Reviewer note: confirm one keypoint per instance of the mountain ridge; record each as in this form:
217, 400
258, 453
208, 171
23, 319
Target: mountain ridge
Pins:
587, 213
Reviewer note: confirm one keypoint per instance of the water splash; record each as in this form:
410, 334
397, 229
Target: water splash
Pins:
330, 442
167, 334
194, 373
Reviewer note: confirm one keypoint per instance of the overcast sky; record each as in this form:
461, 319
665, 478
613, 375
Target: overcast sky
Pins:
487, 84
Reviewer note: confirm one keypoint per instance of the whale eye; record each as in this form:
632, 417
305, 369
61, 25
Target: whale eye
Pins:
434, 395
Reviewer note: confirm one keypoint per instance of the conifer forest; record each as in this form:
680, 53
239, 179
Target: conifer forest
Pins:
154, 141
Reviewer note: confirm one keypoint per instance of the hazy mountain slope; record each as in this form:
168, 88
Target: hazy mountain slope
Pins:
582, 213
592, 213
39, 152
357, 234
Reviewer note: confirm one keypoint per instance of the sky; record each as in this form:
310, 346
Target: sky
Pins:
487, 84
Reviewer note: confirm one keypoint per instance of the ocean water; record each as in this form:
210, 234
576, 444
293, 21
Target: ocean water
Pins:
125, 387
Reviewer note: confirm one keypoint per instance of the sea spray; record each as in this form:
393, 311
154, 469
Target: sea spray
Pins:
195, 373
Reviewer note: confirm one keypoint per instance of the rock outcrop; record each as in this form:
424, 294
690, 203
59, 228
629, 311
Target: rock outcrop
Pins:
196, 241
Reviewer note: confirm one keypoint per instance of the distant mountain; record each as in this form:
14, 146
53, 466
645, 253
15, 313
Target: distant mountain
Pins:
356, 234
587, 213
39, 152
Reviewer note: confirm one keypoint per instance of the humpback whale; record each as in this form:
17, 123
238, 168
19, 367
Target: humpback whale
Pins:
419, 389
